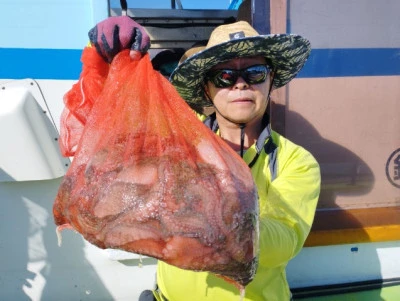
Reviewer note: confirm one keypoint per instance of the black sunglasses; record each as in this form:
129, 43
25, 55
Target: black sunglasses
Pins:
223, 78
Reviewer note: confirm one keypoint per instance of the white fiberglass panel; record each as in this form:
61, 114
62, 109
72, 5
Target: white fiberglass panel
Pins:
29, 140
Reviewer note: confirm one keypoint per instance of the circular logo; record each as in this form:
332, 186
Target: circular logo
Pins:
393, 168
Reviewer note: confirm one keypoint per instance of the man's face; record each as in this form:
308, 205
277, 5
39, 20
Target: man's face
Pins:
242, 102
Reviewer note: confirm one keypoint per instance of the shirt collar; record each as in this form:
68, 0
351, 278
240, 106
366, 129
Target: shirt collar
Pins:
212, 123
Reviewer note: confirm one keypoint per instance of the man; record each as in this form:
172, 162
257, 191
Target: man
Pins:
235, 74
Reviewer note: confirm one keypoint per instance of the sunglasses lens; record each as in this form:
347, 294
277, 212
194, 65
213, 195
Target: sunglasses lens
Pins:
255, 74
223, 78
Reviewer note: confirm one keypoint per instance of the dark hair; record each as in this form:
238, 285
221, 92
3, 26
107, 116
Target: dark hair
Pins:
168, 56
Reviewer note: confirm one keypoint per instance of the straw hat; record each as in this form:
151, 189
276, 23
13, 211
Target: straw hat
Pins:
285, 53
190, 52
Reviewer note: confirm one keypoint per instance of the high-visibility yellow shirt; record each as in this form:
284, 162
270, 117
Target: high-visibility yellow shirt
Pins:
288, 182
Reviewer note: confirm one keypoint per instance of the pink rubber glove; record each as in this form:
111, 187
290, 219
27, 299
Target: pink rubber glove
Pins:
117, 33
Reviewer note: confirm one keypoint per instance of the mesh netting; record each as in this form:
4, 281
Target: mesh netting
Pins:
148, 177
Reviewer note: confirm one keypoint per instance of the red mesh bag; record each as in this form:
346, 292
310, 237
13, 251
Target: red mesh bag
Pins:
148, 177
80, 99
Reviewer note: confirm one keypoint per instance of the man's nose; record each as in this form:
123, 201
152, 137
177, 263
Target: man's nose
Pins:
241, 83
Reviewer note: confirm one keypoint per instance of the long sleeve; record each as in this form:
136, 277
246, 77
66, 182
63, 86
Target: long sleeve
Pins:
287, 205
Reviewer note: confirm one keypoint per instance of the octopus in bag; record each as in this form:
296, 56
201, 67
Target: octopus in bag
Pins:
148, 177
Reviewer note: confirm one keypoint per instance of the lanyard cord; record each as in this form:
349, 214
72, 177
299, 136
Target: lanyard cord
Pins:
242, 126
212, 124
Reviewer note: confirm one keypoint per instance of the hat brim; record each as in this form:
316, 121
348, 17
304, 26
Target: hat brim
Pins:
286, 53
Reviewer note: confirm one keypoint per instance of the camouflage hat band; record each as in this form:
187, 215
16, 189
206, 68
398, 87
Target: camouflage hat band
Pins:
286, 53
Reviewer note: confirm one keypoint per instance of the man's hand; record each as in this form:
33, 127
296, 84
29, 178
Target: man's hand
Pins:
118, 33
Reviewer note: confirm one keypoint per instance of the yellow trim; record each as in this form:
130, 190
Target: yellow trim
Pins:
346, 236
